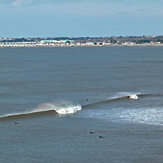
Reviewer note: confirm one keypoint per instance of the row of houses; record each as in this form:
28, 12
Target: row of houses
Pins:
49, 43
55, 43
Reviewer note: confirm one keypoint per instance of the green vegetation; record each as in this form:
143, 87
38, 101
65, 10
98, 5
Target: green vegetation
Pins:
143, 41
18, 40
113, 41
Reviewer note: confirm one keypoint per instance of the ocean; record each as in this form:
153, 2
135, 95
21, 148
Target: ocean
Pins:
81, 104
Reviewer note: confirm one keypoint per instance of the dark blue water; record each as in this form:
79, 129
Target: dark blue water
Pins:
94, 83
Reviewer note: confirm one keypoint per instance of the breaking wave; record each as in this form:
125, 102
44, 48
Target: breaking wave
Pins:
146, 111
117, 96
60, 107
69, 107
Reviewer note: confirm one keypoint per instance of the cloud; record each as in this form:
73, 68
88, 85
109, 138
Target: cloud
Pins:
38, 2
85, 8
18, 3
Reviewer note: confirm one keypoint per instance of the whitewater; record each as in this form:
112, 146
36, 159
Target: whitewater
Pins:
152, 116
68, 107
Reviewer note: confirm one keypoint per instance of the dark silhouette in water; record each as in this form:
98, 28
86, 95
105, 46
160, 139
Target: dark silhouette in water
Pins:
92, 132
15, 123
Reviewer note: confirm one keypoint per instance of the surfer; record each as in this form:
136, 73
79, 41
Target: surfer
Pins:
15, 123
92, 132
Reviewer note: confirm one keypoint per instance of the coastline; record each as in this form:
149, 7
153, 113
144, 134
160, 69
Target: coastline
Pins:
83, 45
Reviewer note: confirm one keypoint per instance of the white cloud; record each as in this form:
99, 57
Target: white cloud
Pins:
120, 2
88, 8
18, 3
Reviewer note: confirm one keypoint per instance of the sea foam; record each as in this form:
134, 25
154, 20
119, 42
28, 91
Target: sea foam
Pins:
61, 107
134, 96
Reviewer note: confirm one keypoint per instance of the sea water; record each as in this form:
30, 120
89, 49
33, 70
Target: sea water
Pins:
48, 92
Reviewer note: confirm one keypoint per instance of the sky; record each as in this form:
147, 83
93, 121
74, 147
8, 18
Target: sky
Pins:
80, 18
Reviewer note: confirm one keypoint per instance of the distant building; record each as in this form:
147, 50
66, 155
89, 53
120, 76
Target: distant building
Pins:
56, 41
67, 41
48, 41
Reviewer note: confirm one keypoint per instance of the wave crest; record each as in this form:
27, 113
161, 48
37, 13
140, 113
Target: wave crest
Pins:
61, 107
134, 96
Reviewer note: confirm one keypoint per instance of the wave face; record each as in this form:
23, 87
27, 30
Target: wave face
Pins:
128, 107
68, 107
116, 97
60, 107
113, 107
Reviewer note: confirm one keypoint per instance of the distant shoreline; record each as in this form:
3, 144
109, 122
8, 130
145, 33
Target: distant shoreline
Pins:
59, 46
82, 41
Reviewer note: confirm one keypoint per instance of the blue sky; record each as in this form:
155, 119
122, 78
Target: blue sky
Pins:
75, 18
